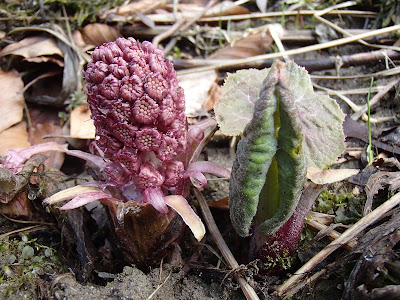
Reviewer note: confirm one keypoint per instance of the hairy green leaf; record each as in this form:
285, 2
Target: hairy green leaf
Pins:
235, 108
320, 117
253, 158
291, 128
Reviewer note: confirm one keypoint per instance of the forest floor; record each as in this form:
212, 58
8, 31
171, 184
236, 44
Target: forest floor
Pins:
343, 46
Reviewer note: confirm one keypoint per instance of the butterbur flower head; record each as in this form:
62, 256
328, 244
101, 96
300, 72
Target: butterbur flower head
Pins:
138, 110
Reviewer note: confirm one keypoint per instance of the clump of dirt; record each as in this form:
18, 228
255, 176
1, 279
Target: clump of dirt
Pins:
133, 284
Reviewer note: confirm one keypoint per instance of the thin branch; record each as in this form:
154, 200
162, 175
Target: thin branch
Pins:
25, 229
174, 28
338, 42
168, 18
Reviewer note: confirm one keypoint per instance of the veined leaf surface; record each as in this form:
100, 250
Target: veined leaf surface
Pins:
291, 128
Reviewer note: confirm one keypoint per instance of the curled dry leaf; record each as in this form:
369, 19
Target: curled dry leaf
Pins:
199, 89
251, 45
11, 101
81, 125
97, 34
15, 137
36, 49
319, 176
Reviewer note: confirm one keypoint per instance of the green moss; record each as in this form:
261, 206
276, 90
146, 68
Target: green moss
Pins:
22, 260
24, 13
283, 262
346, 206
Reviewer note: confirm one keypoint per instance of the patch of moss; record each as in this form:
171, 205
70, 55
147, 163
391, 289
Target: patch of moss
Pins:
346, 206
22, 260
24, 13
283, 261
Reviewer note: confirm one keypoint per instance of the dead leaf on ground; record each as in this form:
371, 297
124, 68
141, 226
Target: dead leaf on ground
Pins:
199, 89
131, 9
11, 101
251, 45
97, 34
319, 176
19, 206
39, 134
15, 138
81, 125
352, 128
36, 49
226, 8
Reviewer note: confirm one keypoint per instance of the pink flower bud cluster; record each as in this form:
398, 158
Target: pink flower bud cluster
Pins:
138, 110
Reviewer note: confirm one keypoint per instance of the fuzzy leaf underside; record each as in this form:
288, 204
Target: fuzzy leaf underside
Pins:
254, 155
292, 128
290, 160
235, 108
320, 116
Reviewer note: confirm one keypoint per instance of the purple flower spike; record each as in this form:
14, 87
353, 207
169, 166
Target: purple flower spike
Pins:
144, 151
137, 107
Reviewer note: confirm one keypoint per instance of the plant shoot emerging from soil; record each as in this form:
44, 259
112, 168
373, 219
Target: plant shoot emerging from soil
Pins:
287, 128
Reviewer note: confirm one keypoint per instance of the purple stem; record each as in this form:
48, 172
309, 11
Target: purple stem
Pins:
284, 241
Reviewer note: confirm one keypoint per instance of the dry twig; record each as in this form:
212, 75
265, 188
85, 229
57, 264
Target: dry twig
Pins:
347, 236
338, 42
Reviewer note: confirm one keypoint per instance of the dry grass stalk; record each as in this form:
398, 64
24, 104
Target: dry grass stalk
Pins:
248, 291
330, 44
375, 99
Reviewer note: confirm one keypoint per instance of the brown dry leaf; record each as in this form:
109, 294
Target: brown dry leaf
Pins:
19, 206
198, 89
215, 94
131, 9
221, 204
15, 138
35, 49
97, 34
251, 45
319, 176
48, 132
226, 8
82, 126
11, 101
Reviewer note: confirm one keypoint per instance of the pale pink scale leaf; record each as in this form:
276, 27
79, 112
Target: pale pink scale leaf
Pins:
182, 207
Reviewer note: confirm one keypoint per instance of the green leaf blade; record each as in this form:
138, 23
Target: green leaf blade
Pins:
320, 116
254, 155
235, 108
